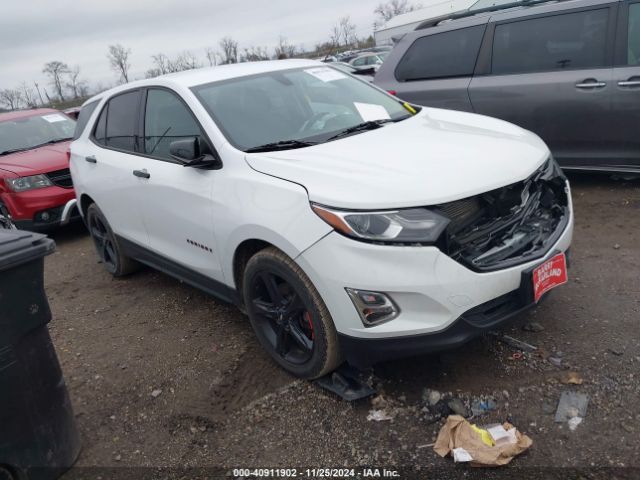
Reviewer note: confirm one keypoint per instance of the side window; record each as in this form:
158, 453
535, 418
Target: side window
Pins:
567, 41
122, 121
166, 119
83, 118
633, 49
442, 55
359, 62
100, 133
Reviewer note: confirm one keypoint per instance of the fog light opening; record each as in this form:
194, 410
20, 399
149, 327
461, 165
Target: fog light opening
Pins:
374, 308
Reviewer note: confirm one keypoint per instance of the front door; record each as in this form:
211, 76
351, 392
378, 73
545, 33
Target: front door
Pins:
176, 201
552, 74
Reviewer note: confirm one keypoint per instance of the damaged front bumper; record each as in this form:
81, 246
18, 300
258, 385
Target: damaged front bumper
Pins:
446, 293
511, 225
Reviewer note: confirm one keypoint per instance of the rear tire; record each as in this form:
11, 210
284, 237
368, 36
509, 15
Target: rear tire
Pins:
288, 315
106, 243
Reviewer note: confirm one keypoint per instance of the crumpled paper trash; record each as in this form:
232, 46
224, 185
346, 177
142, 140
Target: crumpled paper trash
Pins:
458, 433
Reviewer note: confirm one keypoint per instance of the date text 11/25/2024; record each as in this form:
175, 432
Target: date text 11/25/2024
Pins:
315, 473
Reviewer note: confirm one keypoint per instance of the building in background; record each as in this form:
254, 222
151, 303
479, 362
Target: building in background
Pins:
402, 24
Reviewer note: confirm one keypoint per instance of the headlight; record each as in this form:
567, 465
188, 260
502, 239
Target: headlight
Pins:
415, 225
28, 183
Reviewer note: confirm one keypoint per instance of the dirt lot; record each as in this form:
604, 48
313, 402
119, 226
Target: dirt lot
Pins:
223, 403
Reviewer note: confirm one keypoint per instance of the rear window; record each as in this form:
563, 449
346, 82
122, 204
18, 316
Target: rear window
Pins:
560, 42
83, 118
448, 54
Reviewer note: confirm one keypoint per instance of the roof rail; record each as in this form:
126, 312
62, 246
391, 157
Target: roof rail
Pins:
470, 13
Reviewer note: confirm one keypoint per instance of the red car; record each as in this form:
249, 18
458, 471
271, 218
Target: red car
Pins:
35, 183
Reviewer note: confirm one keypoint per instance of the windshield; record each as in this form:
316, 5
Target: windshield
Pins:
308, 105
29, 132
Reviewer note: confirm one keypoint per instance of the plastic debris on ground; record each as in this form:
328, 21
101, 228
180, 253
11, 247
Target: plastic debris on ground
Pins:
477, 446
382, 409
440, 405
574, 422
480, 407
514, 342
378, 416
572, 378
572, 408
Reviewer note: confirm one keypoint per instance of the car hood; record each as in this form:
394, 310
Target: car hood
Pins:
435, 157
39, 160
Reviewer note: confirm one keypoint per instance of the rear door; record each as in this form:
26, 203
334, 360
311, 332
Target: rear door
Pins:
552, 74
626, 96
436, 69
105, 164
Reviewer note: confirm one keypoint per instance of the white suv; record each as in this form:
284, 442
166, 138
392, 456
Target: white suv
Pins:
348, 224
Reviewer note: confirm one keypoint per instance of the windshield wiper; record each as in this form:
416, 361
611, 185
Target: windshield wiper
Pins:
362, 127
13, 150
50, 142
24, 149
281, 145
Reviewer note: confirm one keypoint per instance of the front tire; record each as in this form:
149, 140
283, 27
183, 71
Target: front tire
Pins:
109, 250
288, 315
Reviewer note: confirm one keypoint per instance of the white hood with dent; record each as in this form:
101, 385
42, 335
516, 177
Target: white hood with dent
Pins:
436, 157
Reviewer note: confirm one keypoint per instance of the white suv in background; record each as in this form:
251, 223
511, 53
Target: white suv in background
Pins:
348, 224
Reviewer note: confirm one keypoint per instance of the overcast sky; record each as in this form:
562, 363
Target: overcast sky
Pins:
77, 32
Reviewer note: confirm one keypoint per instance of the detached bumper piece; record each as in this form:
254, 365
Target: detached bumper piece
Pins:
509, 226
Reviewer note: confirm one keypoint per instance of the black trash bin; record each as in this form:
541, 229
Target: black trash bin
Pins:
38, 435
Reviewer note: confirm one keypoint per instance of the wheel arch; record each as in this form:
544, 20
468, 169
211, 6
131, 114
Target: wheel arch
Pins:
85, 203
248, 241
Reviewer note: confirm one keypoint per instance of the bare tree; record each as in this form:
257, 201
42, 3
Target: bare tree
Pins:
284, 49
386, 11
212, 56
119, 58
185, 61
255, 54
77, 86
163, 64
229, 50
56, 70
336, 35
347, 31
28, 95
11, 98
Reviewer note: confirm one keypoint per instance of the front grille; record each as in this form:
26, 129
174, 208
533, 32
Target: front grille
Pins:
508, 226
61, 178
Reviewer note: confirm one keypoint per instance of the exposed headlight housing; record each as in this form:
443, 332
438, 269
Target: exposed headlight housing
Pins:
22, 184
409, 226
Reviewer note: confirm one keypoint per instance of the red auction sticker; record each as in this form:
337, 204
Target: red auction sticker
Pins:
549, 275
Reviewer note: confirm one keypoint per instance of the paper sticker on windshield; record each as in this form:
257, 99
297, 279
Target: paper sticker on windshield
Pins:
326, 74
54, 117
371, 112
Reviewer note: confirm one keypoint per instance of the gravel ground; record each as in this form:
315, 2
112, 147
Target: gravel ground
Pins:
161, 375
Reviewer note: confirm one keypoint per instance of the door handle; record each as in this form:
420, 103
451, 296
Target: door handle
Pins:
91, 159
629, 83
142, 173
590, 84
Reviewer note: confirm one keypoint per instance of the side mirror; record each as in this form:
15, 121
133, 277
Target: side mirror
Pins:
190, 153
